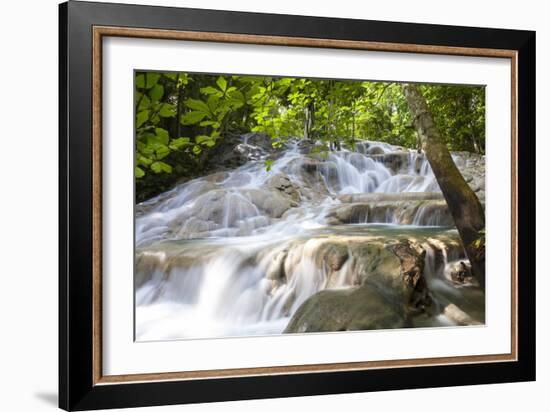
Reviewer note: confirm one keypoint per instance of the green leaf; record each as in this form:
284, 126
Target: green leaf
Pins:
162, 135
212, 123
159, 167
162, 151
202, 138
140, 81
147, 80
139, 173
212, 103
197, 105
142, 160
268, 164
192, 117
151, 79
209, 90
171, 76
222, 83
180, 142
156, 92
142, 118
197, 149
144, 102
167, 110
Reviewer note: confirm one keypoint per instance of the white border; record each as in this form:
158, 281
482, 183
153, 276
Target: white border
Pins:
121, 355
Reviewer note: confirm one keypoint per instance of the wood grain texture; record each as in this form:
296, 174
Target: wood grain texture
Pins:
101, 31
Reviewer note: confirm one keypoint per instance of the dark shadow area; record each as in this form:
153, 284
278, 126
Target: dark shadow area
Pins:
49, 398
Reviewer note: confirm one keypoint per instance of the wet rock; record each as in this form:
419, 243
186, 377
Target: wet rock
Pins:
194, 226
460, 273
283, 184
389, 197
356, 308
276, 266
349, 213
375, 150
407, 212
393, 160
458, 316
412, 260
259, 140
335, 256
270, 202
216, 177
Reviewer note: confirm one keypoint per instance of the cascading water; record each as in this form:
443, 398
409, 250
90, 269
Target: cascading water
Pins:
238, 252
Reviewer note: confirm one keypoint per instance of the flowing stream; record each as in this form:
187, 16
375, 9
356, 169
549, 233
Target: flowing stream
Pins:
238, 252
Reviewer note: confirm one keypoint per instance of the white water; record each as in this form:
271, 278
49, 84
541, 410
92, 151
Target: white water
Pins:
245, 229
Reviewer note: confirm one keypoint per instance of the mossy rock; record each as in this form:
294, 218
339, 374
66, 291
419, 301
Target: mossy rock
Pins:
356, 308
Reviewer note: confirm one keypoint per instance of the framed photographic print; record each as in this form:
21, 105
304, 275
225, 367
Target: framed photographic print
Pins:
257, 205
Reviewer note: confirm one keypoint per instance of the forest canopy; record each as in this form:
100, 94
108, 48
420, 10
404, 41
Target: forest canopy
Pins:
181, 117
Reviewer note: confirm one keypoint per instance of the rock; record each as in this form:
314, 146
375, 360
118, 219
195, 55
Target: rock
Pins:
276, 267
375, 150
270, 202
283, 184
259, 140
406, 212
393, 160
335, 256
350, 213
392, 265
412, 268
356, 308
389, 197
193, 226
458, 316
460, 273
216, 177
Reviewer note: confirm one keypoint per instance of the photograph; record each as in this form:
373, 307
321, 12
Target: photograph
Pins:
262, 204
268, 205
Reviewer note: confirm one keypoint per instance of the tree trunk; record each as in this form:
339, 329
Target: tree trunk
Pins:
309, 120
463, 203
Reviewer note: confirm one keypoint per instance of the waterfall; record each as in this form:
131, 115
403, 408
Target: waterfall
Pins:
238, 252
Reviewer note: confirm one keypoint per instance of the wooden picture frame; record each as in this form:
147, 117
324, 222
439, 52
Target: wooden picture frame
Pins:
83, 26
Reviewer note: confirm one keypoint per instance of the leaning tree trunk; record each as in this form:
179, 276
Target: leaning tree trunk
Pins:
463, 204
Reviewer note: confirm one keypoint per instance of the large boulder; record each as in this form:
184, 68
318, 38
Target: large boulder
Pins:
384, 284
284, 185
355, 308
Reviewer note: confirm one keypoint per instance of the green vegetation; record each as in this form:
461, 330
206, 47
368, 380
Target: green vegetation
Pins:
182, 117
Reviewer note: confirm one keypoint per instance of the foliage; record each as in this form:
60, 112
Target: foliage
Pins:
182, 117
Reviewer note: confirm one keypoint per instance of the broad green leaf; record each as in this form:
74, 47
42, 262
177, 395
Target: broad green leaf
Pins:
167, 110
151, 79
156, 92
142, 160
192, 117
162, 135
197, 105
143, 102
142, 118
197, 149
159, 167
140, 81
139, 173
212, 123
222, 83
162, 151
180, 142
202, 139
209, 90
171, 76
212, 103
